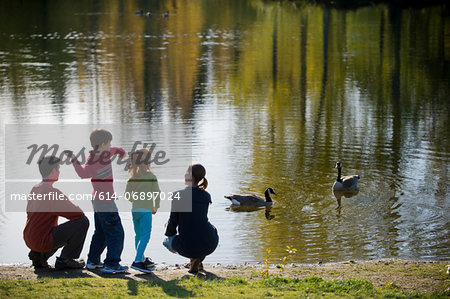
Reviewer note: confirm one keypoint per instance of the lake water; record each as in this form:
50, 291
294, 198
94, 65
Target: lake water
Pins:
269, 95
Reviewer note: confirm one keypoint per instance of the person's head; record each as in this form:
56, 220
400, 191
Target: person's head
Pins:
101, 140
195, 176
49, 168
139, 162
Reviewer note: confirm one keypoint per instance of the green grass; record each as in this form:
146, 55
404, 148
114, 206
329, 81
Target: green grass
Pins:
311, 287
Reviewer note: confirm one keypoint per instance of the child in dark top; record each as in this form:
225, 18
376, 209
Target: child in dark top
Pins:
196, 237
143, 192
42, 234
108, 232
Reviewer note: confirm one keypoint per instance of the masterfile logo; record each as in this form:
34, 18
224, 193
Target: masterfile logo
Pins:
158, 157
171, 154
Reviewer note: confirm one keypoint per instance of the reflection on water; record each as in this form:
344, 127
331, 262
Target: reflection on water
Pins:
267, 209
346, 194
274, 94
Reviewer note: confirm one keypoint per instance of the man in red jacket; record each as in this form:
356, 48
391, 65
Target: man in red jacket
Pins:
42, 234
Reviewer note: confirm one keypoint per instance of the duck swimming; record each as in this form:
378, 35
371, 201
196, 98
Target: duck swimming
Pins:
252, 200
345, 183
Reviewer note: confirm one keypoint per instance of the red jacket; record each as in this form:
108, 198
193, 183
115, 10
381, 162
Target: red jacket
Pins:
42, 216
99, 169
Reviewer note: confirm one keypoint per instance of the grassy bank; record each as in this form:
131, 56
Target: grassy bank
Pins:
368, 279
198, 287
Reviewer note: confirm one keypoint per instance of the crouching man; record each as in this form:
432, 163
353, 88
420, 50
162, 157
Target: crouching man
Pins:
42, 234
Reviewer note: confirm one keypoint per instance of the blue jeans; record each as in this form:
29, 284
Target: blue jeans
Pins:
142, 220
108, 234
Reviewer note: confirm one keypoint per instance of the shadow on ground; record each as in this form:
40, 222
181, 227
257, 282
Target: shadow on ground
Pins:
134, 281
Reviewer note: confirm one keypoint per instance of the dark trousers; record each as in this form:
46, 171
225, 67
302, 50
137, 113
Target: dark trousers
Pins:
192, 247
108, 234
69, 235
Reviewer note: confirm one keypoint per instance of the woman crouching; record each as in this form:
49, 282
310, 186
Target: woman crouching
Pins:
196, 237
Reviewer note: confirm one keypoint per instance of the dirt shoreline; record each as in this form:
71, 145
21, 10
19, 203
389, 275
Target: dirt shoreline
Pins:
424, 276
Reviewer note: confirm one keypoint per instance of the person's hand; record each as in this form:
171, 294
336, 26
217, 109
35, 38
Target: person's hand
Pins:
154, 212
168, 244
121, 154
69, 154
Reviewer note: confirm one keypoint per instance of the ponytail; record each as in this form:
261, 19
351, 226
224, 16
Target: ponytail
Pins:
203, 185
198, 174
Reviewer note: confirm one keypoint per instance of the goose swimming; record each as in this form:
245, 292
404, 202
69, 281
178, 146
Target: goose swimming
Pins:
252, 200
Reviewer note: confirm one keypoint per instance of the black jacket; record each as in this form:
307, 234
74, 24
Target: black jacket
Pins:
197, 237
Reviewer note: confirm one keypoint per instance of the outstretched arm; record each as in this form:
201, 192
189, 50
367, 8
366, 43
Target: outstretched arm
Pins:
117, 151
83, 172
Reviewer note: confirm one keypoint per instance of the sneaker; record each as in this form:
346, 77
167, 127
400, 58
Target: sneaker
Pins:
37, 259
140, 266
114, 269
92, 266
68, 264
149, 264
